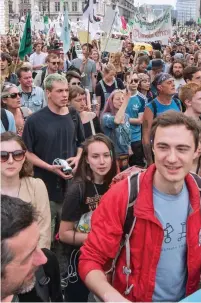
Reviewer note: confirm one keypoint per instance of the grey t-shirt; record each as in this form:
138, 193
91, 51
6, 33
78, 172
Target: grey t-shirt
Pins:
171, 276
89, 68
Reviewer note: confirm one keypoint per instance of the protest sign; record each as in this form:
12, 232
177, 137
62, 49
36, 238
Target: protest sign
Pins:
158, 29
111, 45
83, 37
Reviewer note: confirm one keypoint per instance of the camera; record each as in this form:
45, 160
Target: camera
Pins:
67, 170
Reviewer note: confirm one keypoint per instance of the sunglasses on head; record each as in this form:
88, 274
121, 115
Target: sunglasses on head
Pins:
17, 155
134, 81
13, 95
54, 63
76, 83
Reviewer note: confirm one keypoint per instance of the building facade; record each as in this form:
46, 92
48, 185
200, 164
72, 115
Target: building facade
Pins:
4, 17
53, 8
188, 10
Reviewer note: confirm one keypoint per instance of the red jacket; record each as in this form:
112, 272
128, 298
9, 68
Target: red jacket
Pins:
145, 242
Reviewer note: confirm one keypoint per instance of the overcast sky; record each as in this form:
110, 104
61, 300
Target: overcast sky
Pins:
171, 2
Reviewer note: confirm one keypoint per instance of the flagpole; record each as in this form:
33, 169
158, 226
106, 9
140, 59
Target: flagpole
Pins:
110, 32
88, 36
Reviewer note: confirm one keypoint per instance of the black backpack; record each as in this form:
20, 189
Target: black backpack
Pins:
4, 119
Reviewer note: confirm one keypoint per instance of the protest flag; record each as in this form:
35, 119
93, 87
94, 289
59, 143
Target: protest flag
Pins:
65, 34
25, 43
123, 22
89, 11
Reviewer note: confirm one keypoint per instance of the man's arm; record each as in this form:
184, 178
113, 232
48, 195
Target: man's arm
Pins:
36, 161
146, 130
137, 121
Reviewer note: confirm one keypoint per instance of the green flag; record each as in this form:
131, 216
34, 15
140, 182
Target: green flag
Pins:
25, 43
45, 19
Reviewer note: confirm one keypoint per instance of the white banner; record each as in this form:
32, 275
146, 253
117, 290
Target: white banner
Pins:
111, 45
158, 30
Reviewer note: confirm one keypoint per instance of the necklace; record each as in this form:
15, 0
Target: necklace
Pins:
18, 191
96, 190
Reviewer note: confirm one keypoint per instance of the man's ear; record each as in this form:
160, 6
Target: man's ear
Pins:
187, 102
47, 91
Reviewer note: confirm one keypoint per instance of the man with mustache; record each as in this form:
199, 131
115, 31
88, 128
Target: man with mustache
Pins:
176, 70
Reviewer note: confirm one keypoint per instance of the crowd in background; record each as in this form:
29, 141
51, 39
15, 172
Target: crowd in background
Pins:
96, 111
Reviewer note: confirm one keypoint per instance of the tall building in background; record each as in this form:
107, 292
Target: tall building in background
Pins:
187, 10
4, 17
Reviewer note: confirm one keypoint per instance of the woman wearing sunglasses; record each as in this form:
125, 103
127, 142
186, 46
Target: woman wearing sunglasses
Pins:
77, 99
10, 100
116, 126
17, 181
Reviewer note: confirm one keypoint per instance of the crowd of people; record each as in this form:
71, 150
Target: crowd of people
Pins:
100, 172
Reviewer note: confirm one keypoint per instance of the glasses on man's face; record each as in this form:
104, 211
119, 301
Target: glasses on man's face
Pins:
17, 155
75, 83
134, 81
13, 95
192, 58
55, 63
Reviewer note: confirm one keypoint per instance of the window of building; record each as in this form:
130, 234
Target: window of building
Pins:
83, 5
57, 6
74, 6
66, 7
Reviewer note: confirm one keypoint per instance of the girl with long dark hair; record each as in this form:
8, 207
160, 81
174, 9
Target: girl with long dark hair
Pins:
96, 168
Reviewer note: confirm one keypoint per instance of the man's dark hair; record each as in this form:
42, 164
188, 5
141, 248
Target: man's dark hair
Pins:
6, 56
23, 69
173, 118
72, 74
172, 65
143, 59
16, 215
189, 71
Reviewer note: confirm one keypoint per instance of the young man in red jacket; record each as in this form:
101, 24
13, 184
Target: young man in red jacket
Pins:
165, 244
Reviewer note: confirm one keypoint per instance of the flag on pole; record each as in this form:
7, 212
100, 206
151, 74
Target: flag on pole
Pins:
25, 43
65, 34
123, 22
89, 11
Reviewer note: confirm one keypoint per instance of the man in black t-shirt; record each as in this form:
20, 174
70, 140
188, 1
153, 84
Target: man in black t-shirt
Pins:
54, 132
107, 85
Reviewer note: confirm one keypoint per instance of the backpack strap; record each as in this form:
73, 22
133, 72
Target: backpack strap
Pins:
73, 114
41, 285
129, 224
176, 100
4, 119
103, 86
43, 76
115, 83
197, 180
25, 112
153, 103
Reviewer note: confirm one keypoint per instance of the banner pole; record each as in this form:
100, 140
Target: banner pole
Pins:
110, 31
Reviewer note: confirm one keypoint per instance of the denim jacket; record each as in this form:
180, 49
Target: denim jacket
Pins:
35, 101
119, 134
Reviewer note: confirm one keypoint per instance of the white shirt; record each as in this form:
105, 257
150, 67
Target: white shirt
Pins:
37, 59
178, 83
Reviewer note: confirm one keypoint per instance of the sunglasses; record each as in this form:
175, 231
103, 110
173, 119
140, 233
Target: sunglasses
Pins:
134, 81
13, 95
76, 83
54, 63
191, 58
17, 155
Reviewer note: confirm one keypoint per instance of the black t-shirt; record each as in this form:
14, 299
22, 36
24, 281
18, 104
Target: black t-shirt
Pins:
109, 89
50, 136
88, 130
77, 203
